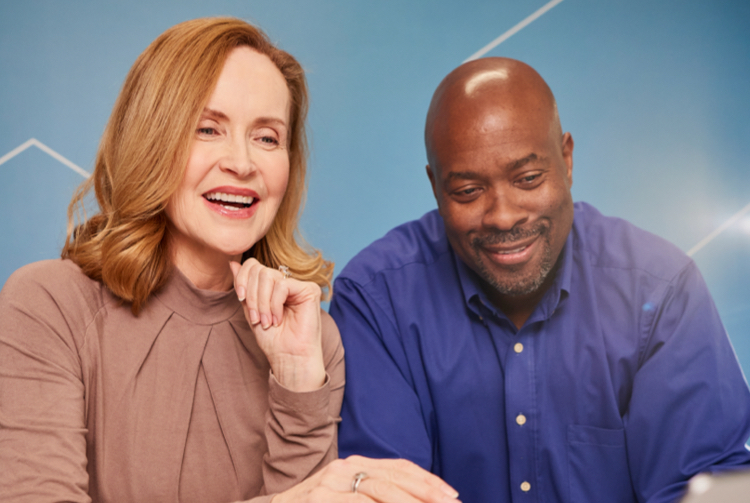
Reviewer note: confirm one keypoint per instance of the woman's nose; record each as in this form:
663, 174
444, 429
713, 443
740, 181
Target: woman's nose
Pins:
239, 159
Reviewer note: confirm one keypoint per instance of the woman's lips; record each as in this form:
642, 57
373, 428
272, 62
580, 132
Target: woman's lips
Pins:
232, 202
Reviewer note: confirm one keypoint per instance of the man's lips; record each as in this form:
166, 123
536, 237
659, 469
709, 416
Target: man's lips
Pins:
511, 253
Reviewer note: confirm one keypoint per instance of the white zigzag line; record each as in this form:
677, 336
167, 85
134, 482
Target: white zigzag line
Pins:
520, 26
726, 225
33, 142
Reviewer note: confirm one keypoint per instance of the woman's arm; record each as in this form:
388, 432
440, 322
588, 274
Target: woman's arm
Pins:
306, 385
301, 427
42, 395
298, 339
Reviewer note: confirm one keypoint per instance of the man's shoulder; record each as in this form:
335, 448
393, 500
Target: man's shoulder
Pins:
421, 241
611, 242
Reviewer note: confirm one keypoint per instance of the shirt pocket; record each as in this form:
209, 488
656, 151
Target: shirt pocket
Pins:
598, 465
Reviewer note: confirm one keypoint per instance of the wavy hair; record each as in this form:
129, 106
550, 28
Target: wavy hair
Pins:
144, 151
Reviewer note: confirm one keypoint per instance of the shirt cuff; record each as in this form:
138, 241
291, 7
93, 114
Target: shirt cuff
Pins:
307, 402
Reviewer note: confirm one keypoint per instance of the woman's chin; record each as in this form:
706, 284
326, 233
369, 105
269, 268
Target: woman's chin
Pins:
231, 254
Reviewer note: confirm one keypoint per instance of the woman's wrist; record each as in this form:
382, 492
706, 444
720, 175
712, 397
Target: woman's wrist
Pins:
300, 376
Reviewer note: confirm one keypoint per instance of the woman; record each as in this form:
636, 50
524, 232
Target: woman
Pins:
148, 364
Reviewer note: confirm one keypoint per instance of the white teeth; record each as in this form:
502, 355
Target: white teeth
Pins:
229, 198
517, 250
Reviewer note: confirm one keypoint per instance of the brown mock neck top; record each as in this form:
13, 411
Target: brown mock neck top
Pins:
177, 404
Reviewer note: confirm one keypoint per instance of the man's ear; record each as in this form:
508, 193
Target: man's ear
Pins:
431, 176
567, 152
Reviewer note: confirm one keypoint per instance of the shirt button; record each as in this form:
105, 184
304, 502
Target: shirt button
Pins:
521, 419
525, 486
518, 347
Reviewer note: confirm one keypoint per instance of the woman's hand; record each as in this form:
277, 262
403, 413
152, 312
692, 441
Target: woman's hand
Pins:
384, 481
285, 316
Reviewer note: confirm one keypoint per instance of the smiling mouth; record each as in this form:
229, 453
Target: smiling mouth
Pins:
509, 252
231, 202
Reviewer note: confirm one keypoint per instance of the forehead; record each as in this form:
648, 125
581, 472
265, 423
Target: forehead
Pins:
249, 81
495, 135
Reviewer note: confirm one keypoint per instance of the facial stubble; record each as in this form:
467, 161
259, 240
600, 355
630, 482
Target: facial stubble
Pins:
515, 286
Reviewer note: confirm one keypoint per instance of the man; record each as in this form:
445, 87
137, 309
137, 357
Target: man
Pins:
523, 347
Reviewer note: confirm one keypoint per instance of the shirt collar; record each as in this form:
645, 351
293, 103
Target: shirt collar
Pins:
474, 296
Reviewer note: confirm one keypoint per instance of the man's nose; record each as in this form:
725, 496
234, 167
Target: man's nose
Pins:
504, 211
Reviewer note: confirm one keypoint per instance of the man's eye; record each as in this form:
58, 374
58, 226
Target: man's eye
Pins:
467, 194
529, 179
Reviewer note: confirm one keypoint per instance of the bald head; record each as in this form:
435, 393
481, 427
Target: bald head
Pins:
499, 90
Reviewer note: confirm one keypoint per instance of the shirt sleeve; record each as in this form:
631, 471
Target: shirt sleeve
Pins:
382, 416
42, 418
690, 406
301, 428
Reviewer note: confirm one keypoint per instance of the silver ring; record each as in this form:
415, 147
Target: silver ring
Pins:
285, 271
357, 479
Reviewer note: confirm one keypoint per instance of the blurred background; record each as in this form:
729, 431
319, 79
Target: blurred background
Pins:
656, 94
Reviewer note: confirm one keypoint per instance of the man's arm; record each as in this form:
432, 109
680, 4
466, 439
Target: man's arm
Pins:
690, 406
382, 416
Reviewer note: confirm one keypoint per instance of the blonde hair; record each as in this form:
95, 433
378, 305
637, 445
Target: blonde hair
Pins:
144, 151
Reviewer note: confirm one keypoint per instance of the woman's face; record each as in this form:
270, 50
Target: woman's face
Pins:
238, 168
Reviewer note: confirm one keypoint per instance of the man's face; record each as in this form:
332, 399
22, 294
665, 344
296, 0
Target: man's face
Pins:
502, 181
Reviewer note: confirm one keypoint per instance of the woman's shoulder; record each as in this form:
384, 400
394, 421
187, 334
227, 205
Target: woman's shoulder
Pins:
59, 275
41, 288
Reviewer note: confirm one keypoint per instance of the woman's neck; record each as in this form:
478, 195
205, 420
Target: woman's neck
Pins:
210, 272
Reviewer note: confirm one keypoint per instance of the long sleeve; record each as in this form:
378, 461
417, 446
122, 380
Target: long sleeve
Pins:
42, 404
382, 416
690, 406
301, 428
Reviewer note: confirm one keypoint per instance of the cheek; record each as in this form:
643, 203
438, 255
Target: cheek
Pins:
277, 179
177, 208
459, 224
461, 218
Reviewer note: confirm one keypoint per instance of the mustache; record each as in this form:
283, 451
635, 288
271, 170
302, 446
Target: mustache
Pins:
494, 237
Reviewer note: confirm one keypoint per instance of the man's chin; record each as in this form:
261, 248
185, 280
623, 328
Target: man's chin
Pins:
519, 288
514, 282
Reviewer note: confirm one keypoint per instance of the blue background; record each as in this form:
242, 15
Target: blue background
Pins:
655, 94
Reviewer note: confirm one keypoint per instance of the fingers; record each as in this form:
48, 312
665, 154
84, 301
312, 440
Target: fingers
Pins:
263, 290
386, 481
408, 475
268, 288
390, 480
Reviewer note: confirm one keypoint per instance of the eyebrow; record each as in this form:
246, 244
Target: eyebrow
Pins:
210, 113
519, 163
473, 175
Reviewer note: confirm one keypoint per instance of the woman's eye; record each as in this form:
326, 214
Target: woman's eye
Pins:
208, 131
269, 140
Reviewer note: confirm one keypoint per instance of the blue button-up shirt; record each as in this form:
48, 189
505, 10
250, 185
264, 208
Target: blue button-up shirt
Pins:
620, 386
